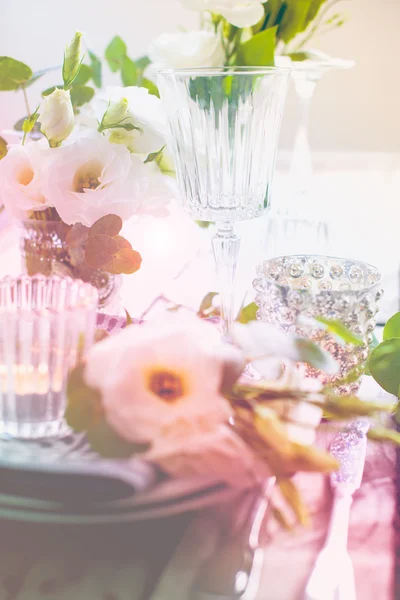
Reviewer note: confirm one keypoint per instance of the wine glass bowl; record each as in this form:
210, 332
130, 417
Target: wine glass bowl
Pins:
224, 125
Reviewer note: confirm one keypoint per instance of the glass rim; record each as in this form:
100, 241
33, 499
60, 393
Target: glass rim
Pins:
220, 71
321, 257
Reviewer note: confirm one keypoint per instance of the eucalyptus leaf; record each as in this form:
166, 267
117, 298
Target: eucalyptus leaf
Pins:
392, 327
115, 53
81, 94
259, 50
72, 60
104, 440
13, 73
384, 365
3, 148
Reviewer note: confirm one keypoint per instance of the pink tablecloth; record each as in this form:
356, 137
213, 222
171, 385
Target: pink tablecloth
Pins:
289, 557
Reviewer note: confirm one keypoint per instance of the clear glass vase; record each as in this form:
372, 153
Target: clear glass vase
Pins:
224, 126
45, 249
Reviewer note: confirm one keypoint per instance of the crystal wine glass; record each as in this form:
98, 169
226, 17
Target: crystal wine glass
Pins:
224, 125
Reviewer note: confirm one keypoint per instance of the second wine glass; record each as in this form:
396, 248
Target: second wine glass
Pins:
224, 125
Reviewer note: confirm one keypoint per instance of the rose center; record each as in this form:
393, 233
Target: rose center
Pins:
87, 177
25, 176
166, 385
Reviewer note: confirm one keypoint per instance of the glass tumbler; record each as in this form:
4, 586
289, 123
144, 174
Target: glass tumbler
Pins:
46, 326
293, 290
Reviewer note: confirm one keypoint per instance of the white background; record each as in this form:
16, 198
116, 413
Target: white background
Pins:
354, 111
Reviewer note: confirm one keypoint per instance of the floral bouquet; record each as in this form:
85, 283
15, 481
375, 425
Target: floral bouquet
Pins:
251, 33
87, 162
171, 392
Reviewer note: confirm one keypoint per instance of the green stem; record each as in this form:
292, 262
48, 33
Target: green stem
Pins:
317, 22
28, 110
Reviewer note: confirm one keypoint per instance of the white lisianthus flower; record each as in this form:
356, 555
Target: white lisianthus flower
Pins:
136, 107
56, 116
241, 13
21, 178
187, 50
164, 379
91, 178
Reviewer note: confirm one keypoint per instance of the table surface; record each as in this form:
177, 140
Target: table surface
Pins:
103, 564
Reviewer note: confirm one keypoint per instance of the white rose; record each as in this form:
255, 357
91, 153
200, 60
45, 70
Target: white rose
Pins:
21, 178
56, 116
91, 178
187, 50
241, 13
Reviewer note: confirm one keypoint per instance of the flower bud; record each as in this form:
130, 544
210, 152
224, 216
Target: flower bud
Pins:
115, 113
56, 117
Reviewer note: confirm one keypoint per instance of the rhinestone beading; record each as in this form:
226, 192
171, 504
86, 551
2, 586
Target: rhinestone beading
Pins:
349, 291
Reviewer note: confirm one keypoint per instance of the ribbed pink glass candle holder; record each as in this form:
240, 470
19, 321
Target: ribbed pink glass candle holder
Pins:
46, 326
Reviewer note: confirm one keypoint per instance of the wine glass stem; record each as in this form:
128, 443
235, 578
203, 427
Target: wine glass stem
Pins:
226, 250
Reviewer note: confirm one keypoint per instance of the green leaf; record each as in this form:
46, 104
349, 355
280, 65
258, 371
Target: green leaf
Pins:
381, 434
207, 303
248, 313
95, 63
13, 73
129, 72
30, 123
349, 407
3, 148
294, 20
315, 6
84, 75
339, 330
384, 365
149, 85
84, 407
259, 50
392, 327
142, 63
371, 348
204, 224
81, 94
104, 440
313, 355
115, 53
154, 156
72, 60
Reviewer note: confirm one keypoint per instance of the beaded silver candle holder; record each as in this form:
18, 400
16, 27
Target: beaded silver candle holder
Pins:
291, 289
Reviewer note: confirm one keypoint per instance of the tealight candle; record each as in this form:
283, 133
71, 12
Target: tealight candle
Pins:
46, 326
